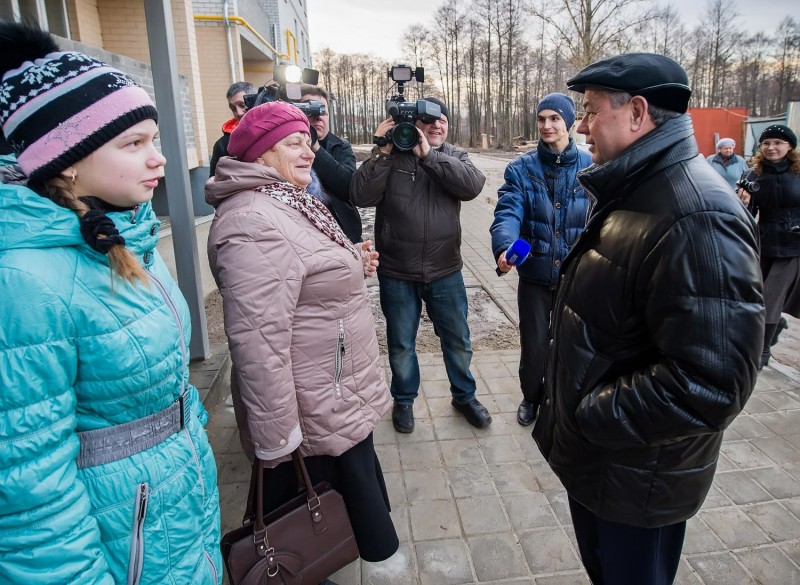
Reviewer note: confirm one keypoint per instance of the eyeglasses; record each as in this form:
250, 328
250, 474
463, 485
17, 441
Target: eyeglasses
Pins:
773, 143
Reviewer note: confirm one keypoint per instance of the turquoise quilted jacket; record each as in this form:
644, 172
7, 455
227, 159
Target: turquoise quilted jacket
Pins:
80, 350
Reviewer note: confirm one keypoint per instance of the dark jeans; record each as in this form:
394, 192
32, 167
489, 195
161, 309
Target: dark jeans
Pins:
535, 304
446, 303
620, 554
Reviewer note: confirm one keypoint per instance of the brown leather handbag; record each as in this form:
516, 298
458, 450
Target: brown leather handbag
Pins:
304, 541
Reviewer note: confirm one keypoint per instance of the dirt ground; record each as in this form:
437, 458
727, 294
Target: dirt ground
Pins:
489, 327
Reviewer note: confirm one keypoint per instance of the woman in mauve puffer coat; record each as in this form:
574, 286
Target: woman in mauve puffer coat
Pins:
106, 474
299, 323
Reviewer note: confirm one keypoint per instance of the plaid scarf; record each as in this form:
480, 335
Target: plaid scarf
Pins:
312, 208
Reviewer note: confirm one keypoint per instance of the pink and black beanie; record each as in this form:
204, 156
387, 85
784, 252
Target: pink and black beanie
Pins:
57, 107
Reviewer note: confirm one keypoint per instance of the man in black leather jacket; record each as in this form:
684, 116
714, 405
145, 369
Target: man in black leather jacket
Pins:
334, 165
657, 325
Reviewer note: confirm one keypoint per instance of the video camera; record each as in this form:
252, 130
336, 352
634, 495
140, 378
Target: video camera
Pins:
749, 186
403, 135
285, 87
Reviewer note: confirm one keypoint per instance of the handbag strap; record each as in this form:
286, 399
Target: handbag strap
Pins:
249, 512
258, 469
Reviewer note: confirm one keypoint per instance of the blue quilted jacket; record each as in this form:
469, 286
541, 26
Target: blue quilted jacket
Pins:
81, 351
542, 202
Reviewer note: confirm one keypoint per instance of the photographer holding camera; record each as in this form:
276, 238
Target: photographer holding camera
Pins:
334, 165
772, 191
418, 192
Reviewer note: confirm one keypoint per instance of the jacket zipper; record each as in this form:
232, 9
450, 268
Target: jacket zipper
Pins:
339, 361
211, 563
136, 559
177, 318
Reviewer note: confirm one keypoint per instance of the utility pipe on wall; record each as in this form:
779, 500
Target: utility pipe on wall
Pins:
244, 23
229, 38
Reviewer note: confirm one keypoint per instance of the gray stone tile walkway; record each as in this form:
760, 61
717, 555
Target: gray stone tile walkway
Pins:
481, 506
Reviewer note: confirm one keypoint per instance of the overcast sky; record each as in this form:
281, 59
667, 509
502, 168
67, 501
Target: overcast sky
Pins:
375, 26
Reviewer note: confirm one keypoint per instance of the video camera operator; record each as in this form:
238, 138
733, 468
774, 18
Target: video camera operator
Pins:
418, 191
334, 166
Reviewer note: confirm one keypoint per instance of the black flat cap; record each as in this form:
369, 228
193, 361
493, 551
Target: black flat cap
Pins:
659, 79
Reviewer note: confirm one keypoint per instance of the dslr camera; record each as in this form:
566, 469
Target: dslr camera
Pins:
285, 87
403, 135
743, 183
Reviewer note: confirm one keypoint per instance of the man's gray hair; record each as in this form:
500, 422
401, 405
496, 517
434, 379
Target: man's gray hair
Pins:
239, 86
658, 115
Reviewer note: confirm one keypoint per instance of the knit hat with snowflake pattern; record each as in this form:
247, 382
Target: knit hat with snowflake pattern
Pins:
57, 107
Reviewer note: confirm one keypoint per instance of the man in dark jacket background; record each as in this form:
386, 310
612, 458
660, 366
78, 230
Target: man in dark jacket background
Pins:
418, 195
235, 96
542, 203
334, 165
657, 325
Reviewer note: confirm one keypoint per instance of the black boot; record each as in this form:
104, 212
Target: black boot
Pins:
526, 413
769, 333
403, 417
782, 324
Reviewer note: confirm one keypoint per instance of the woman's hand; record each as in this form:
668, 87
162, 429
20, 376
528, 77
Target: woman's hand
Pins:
369, 258
744, 196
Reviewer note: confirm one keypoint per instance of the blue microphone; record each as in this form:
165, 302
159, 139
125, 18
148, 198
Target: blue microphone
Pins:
518, 252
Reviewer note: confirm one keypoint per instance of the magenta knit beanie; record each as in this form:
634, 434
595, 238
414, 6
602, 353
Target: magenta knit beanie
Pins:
263, 127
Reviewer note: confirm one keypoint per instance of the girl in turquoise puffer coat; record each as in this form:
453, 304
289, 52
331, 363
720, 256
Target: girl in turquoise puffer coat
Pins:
106, 474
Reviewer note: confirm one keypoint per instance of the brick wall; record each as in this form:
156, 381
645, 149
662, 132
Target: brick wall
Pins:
212, 53
270, 7
123, 28
84, 22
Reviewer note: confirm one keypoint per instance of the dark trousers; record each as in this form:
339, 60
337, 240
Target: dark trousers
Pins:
620, 554
535, 304
446, 303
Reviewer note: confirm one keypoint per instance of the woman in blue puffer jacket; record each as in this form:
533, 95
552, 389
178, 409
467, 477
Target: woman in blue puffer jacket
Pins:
106, 474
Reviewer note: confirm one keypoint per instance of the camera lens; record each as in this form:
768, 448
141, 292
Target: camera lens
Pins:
404, 136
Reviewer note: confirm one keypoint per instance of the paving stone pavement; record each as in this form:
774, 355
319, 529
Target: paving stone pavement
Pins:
482, 506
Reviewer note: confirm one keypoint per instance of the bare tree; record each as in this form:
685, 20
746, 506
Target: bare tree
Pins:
788, 60
591, 29
485, 60
415, 45
752, 74
664, 33
719, 26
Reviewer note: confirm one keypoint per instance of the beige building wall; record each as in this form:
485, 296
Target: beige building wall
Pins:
258, 72
84, 22
119, 26
189, 66
124, 29
212, 52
